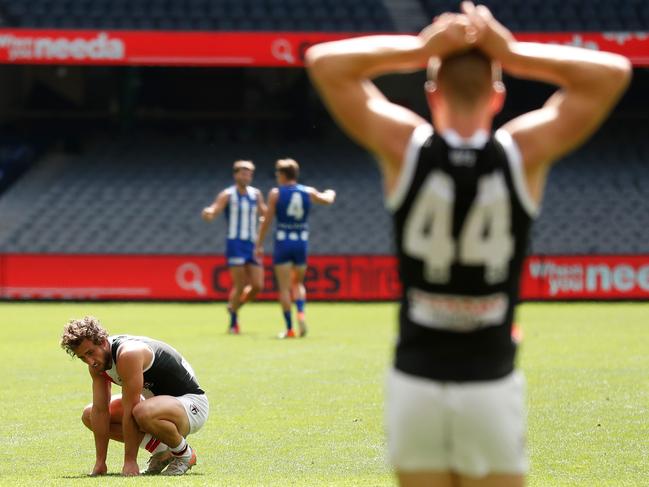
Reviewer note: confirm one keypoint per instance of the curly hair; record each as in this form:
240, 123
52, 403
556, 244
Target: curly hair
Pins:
77, 330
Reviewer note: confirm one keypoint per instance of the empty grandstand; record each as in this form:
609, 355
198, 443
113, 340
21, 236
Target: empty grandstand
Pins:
206, 15
314, 15
120, 160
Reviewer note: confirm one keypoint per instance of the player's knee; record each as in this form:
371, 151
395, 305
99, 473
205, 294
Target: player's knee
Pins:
85, 416
142, 413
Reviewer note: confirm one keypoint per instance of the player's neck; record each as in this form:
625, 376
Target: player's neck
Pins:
242, 188
464, 123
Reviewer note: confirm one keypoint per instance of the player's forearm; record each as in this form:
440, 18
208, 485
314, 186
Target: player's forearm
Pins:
327, 197
366, 57
602, 73
100, 421
263, 231
131, 435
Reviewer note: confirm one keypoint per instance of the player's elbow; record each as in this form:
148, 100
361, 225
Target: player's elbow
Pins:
623, 72
318, 62
616, 76
312, 56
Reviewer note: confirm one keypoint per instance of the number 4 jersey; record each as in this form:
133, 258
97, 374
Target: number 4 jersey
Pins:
462, 215
292, 230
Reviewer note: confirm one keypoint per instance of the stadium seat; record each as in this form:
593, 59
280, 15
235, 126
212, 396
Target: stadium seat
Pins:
130, 195
191, 14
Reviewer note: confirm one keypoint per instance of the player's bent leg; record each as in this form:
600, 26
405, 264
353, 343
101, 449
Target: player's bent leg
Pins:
163, 417
426, 479
184, 456
116, 413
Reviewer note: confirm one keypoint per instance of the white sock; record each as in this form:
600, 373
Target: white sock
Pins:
152, 444
182, 450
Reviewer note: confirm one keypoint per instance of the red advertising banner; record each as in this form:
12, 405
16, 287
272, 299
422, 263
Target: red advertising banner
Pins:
362, 278
183, 277
175, 48
158, 48
592, 277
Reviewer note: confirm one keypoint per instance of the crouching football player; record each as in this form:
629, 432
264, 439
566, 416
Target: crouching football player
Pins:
161, 402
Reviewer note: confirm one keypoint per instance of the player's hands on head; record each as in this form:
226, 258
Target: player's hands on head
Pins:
447, 34
100, 468
490, 35
130, 469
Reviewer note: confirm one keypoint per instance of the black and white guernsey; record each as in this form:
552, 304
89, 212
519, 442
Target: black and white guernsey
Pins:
461, 214
168, 374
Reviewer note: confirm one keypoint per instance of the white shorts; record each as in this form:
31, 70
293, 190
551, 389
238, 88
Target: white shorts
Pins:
197, 408
471, 428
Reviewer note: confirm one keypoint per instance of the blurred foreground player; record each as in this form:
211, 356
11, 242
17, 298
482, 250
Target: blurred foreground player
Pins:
462, 200
243, 206
290, 203
161, 402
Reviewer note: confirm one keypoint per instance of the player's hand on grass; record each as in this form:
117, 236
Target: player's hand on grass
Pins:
100, 468
130, 469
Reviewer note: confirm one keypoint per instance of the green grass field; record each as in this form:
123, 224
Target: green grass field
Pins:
309, 412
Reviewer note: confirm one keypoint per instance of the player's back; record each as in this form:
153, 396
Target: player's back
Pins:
292, 211
462, 217
241, 214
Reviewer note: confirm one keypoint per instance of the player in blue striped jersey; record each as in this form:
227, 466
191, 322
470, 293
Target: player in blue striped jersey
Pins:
290, 203
243, 206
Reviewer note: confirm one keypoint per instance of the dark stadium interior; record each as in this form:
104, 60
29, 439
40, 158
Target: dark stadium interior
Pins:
122, 159
314, 15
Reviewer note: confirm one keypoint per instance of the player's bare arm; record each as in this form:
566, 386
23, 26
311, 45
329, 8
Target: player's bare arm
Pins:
590, 83
326, 197
130, 368
100, 419
215, 209
342, 72
262, 205
269, 215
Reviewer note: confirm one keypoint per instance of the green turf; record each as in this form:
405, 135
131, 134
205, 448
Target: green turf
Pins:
309, 412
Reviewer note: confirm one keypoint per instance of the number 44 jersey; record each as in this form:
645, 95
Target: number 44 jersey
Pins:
462, 215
